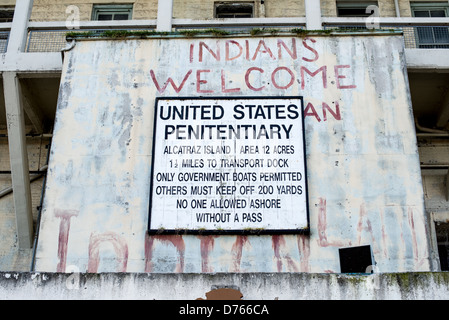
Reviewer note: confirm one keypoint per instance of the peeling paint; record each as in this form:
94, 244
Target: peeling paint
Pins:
224, 294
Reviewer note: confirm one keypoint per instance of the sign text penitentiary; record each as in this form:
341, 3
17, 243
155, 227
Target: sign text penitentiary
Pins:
229, 165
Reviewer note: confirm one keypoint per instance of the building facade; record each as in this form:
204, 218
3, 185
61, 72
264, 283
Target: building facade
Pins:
78, 121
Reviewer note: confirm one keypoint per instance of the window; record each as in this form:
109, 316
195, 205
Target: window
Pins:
431, 37
6, 14
112, 12
234, 9
354, 9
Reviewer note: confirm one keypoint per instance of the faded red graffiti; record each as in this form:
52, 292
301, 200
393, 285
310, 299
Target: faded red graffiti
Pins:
176, 240
242, 51
207, 245
418, 261
384, 235
304, 252
412, 226
278, 244
120, 248
237, 251
368, 228
322, 228
310, 111
64, 230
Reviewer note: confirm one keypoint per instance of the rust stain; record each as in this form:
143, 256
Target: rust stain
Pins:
304, 252
278, 243
223, 294
63, 240
419, 262
207, 245
237, 250
176, 240
322, 226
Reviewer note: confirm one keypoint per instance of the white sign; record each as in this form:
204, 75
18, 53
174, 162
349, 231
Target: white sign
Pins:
229, 165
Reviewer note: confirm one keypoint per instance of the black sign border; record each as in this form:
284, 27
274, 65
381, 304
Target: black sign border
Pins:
302, 231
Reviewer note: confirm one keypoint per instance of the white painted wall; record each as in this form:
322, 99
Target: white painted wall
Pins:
364, 176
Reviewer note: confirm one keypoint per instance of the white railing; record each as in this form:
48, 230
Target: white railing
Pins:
418, 32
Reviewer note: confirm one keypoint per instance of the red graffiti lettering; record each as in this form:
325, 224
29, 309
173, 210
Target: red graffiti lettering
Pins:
120, 249
63, 240
339, 77
336, 114
315, 53
169, 80
368, 228
310, 111
223, 84
323, 71
273, 78
293, 52
200, 82
264, 50
235, 49
177, 241
192, 46
228, 57
215, 54
250, 86
322, 228
278, 244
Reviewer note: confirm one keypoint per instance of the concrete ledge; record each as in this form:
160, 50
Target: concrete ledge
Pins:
431, 60
253, 286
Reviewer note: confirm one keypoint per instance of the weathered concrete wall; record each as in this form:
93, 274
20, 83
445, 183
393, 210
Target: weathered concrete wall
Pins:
363, 164
253, 286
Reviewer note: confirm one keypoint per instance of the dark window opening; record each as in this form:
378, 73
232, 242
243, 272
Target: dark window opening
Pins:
356, 260
6, 14
234, 10
354, 9
442, 231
